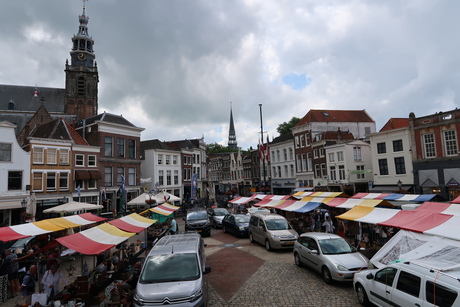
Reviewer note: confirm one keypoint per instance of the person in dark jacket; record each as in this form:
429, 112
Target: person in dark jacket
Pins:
28, 284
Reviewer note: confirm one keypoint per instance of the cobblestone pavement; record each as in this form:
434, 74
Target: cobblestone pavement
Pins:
277, 282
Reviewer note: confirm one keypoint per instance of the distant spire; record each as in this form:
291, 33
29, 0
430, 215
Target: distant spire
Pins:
231, 134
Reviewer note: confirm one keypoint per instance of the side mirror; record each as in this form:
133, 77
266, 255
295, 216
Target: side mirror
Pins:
369, 276
314, 251
207, 269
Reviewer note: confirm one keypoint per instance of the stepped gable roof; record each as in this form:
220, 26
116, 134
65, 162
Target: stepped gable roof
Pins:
282, 138
24, 99
105, 117
395, 123
58, 129
338, 116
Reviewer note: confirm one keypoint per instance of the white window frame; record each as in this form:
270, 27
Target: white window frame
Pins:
77, 160
429, 147
38, 155
450, 142
64, 156
51, 156
92, 163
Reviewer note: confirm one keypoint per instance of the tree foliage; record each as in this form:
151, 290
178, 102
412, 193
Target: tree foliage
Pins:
285, 128
217, 148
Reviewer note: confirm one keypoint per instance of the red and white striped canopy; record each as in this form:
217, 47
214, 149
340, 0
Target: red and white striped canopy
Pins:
132, 223
16, 232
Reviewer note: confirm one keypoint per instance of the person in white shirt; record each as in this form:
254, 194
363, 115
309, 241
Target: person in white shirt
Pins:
328, 226
51, 281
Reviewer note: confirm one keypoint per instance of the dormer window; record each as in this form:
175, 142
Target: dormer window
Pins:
11, 105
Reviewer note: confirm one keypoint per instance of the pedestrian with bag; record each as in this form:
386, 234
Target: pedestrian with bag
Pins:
51, 281
28, 284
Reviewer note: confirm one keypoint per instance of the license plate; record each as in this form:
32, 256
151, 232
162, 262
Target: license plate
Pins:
288, 243
198, 230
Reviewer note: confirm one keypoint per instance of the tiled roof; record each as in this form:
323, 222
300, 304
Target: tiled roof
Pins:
182, 144
337, 135
24, 100
395, 123
155, 144
283, 138
328, 116
105, 117
58, 129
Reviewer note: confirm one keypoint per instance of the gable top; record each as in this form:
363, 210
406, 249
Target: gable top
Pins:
58, 129
338, 116
395, 123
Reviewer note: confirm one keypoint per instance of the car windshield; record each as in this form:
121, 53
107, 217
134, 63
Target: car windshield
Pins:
242, 219
220, 212
199, 215
336, 246
170, 267
277, 224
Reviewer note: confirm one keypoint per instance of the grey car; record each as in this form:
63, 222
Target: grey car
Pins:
329, 254
216, 215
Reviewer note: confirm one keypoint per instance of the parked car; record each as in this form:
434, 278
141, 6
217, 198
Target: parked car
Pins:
407, 284
238, 224
329, 254
271, 230
174, 273
216, 215
197, 220
255, 210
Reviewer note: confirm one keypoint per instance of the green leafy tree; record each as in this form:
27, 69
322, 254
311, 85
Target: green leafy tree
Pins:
217, 148
285, 128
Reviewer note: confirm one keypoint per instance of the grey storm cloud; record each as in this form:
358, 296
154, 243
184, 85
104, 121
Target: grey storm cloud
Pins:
173, 67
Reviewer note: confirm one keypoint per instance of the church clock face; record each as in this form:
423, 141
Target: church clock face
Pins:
82, 56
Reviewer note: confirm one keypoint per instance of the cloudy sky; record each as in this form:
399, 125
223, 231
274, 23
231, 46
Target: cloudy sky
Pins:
174, 66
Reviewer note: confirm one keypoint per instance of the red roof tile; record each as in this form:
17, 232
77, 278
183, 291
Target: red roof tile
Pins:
75, 136
328, 116
395, 123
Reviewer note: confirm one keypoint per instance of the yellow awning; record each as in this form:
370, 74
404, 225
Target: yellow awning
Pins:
62, 222
356, 212
115, 231
47, 225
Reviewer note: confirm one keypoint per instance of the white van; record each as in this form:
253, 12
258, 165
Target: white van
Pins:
174, 273
271, 230
407, 284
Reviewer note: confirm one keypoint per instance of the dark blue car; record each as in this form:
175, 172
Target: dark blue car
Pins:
238, 224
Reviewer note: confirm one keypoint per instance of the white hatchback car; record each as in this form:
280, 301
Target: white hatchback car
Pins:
407, 284
329, 254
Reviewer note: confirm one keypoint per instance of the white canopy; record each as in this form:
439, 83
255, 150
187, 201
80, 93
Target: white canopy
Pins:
73, 206
159, 198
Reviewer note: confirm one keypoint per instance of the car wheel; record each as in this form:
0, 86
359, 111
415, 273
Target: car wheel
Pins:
297, 260
267, 245
327, 276
362, 296
251, 239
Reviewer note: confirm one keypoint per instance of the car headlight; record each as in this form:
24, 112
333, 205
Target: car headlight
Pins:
275, 236
341, 267
137, 300
196, 295
241, 228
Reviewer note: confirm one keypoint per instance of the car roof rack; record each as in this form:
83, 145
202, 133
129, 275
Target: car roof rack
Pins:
426, 266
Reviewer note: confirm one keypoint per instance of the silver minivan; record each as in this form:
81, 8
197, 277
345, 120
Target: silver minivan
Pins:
271, 230
174, 273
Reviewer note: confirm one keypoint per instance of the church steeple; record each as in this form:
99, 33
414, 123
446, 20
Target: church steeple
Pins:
82, 78
231, 134
82, 51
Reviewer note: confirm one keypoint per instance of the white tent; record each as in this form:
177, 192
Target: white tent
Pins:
73, 206
159, 198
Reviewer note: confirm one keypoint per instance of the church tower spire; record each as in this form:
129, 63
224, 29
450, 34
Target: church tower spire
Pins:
81, 75
231, 134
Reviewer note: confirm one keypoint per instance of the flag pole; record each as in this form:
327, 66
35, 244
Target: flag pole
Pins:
262, 137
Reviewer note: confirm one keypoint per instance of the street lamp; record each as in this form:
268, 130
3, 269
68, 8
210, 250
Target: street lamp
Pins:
24, 203
399, 184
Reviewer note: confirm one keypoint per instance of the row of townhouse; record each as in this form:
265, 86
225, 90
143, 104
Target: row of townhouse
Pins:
89, 161
332, 150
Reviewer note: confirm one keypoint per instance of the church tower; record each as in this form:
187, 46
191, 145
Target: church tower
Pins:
231, 134
81, 75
